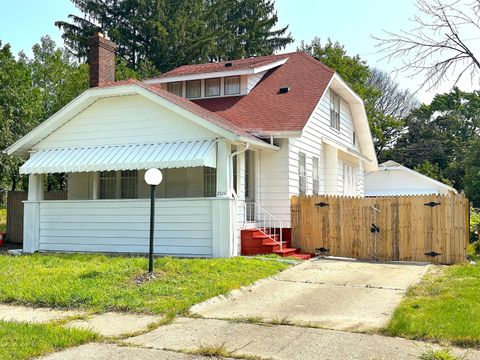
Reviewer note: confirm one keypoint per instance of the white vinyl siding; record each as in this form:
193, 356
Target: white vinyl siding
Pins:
183, 227
124, 120
253, 80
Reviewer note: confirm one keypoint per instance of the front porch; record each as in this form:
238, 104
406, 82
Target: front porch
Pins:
107, 210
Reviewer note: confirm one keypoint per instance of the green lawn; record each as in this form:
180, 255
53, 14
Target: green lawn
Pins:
101, 283
445, 306
3, 219
23, 341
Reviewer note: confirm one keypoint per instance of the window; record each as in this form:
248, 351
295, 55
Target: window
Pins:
316, 176
129, 184
107, 185
175, 88
232, 85
194, 89
334, 110
212, 87
302, 174
209, 182
349, 180
354, 138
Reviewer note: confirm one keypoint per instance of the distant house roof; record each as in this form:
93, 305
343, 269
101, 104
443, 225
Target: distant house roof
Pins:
391, 165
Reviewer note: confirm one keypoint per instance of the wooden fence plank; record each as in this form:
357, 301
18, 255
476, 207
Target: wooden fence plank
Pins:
408, 228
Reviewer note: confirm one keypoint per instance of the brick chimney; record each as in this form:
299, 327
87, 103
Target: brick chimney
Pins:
102, 60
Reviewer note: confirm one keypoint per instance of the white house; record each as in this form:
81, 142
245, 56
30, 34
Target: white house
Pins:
394, 179
228, 136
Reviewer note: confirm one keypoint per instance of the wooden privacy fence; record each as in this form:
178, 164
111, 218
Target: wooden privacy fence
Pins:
15, 201
426, 228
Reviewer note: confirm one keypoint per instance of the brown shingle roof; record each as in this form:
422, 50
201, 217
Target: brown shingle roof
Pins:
265, 109
241, 64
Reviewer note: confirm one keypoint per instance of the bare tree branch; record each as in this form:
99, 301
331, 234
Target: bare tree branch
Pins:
436, 48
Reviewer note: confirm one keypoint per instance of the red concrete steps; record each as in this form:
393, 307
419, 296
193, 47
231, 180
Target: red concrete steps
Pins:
255, 242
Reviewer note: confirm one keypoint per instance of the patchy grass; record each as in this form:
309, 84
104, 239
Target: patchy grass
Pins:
443, 354
24, 341
3, 220
104, 283
444, 307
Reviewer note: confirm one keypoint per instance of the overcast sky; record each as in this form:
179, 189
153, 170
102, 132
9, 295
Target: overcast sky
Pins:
351, 22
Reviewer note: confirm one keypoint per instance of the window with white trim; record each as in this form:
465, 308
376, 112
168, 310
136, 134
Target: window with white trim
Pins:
209, 182
175, 88
349, 180
128, 185
232, 85
194, 89
108, 181
212, 87
302, 173
334, 110
316, 176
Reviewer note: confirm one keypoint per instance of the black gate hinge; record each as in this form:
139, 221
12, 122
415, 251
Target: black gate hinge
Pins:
432, 204
432, 254
375, 229
322, 250
321, 204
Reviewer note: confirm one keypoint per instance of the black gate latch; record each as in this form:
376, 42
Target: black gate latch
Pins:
432, 204
321, 204
375, 229
432, 254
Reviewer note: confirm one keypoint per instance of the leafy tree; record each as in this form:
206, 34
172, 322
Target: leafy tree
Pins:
20, 110
471, 164
441, 133
170, 33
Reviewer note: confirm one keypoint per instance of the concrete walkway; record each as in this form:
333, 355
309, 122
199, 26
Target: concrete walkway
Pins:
282, 342
334, 294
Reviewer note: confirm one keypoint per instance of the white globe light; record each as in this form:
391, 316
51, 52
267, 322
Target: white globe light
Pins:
153, 176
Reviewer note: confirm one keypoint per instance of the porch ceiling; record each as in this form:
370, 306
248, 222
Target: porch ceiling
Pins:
122, 157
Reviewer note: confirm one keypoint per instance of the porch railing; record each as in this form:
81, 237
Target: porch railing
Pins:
265, 222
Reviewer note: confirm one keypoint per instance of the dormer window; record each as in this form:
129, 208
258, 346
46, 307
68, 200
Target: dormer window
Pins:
175, 88
232, 85
194, 89
334, 110
212, 87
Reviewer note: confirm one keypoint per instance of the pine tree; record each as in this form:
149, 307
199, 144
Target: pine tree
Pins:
169, 33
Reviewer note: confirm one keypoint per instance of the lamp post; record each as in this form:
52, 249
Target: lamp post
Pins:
153, 177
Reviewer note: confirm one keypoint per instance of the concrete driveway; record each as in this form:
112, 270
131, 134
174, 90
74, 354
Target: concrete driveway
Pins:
331, 293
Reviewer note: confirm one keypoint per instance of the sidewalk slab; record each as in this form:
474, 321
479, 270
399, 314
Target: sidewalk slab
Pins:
331, 293
115, 324
109, 352
33, 315
283, 342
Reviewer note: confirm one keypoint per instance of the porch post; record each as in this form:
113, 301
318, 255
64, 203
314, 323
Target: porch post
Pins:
223, 211
31, 215
223, 169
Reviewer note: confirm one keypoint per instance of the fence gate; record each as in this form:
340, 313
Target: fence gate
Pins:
430, 228
15, 201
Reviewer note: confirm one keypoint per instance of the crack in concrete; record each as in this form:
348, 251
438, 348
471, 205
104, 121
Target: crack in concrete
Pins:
341, 285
